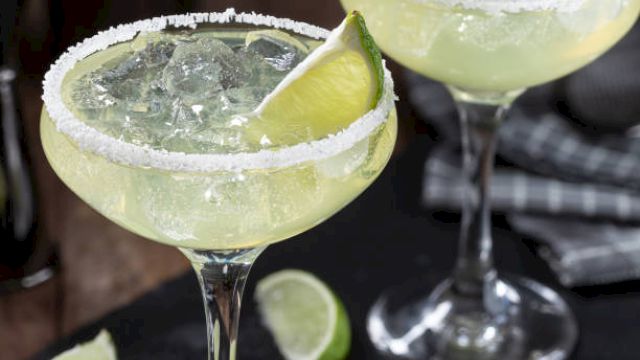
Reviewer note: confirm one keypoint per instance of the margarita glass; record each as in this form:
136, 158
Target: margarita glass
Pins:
487, 52
221, 207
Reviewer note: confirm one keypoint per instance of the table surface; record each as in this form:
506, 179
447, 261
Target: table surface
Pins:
380, 240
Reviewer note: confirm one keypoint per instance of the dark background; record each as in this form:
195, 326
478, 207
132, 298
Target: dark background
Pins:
380, 240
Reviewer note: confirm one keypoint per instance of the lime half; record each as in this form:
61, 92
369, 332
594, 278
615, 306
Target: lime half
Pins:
305, 317
100, 348
335, 85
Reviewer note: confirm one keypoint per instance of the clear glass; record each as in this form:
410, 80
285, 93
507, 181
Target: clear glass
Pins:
487, 53
475, 313
234, 213
27, 258
222, 276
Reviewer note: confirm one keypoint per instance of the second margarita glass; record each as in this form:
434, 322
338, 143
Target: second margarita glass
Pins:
487, 52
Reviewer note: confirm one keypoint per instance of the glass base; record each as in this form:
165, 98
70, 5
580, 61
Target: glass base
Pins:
515, 318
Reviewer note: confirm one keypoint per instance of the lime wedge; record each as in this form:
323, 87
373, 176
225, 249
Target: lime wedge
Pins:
100, 348
305, 317
336, 84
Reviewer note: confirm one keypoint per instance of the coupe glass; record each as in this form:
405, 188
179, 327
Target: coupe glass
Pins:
486, 52
220, 209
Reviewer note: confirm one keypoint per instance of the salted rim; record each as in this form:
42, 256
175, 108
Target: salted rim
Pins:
115, 150
513, 6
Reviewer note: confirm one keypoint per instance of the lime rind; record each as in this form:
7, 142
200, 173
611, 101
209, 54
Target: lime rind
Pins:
372, 51
340, 345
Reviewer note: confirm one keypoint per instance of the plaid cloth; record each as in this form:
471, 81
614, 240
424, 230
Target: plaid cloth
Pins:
585, 253
516, 190
587, 170
548, 145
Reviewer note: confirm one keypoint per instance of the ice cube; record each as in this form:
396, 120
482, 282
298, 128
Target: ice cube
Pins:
134, 130
195, 128
126, 66
493, 32
242, 99
157, 54
129, 90
152, 103
121, 78
185, 93
209, 140
186, 117
227, 207
290, 191
155, 48
200, 69
278, 49
88, 93
345, 163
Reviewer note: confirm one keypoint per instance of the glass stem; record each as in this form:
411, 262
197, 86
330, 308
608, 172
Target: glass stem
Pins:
479, 123
222, 276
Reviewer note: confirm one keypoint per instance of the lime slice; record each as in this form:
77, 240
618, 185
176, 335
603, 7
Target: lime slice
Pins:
100, 348
305, 317
336, 84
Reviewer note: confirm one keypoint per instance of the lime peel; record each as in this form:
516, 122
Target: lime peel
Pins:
369, 45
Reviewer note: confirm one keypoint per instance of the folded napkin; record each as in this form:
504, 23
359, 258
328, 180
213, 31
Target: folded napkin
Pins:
517, 190
569, 166
580, 247
582, 252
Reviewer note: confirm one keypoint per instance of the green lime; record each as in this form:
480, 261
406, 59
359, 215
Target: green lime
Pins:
100, 348
335, 85
306, 318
